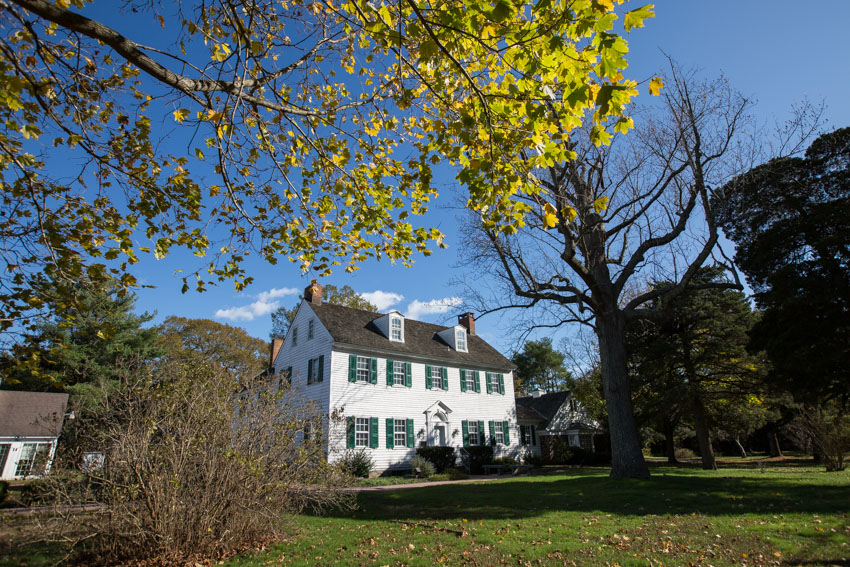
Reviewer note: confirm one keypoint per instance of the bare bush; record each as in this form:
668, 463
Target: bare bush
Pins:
197, 465
827, 427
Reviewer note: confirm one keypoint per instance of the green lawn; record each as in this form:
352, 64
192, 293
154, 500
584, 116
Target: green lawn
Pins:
793, 515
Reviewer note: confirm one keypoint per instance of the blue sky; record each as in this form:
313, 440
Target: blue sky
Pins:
774, 52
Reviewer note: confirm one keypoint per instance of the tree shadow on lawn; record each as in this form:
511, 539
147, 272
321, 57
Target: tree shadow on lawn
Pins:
593, 491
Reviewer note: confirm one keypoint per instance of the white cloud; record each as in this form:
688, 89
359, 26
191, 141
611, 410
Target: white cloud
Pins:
382, 299
265, 304
417, 308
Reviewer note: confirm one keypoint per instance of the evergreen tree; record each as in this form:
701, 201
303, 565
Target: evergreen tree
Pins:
540, 367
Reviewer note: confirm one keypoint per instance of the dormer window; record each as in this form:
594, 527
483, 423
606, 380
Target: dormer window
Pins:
460, 339
396, 329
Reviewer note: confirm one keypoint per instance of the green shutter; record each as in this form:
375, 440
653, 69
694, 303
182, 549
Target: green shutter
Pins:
310, 371
523, 436
487, 380
502, 384
373, 432
373, 376
492, 425
462, 373
533, 438
464, 426
289, 376
428, 376
505, 431
390, 433
477, 381
349, 430
410, 442
320, 376
389, 372
352, 368
481, 440
408, 379
445, 378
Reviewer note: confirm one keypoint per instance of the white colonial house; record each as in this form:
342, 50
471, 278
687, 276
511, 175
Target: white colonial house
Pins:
395, 384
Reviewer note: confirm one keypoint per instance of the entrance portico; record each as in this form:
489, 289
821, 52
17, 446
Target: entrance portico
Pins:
437, 425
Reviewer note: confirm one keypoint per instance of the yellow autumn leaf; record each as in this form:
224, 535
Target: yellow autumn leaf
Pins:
550, 216
655, 86
569, 213
180, 115
600, 204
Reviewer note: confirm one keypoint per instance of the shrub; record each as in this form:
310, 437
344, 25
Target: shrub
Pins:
4, 490
221, 461
357, 462
439, 477
35, 493
479, 455
533, 460
441, 457
565, 454
684, 454
422, 468
456, 474
504, 461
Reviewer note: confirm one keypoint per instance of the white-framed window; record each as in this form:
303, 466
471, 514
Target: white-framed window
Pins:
363, 370
398, 373
437, 377
469, 378
361, 432
493, 380
400, 433
460, 339
499, 430
474, 438
310, 330
33, 459
294, 336
585, 441
396, 329
527, 434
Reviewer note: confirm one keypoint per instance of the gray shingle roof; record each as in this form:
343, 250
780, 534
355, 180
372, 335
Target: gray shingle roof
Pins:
543, 408
356, 327
31, 414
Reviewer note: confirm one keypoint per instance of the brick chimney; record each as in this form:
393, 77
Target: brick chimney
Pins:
468, 321
275, 348
313, 293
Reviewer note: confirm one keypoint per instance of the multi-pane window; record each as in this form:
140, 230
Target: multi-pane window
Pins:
474, 439
460, 339
395, 329
363, 371
500, 432
400, 432
493, 381
398, 373
437, 377
469, 378
33, 459
585, 441
294, 336
310, 329
4, 453
361, 432
527, 435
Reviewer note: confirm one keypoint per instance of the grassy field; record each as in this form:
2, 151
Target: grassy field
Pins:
787, 515
791, 514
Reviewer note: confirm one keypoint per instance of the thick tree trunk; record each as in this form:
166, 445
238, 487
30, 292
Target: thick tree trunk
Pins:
669, 440
703, 434
626, 458
773, 444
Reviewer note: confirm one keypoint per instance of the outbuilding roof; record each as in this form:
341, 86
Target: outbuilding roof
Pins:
31, 414
542, 408
356, 327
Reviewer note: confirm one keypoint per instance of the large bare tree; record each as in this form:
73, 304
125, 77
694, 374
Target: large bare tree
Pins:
615, 218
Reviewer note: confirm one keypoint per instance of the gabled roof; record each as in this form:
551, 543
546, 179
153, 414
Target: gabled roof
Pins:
542, 408
356, 327
31, 414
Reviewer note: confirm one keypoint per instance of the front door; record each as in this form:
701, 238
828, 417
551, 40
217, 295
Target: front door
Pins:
440, 435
